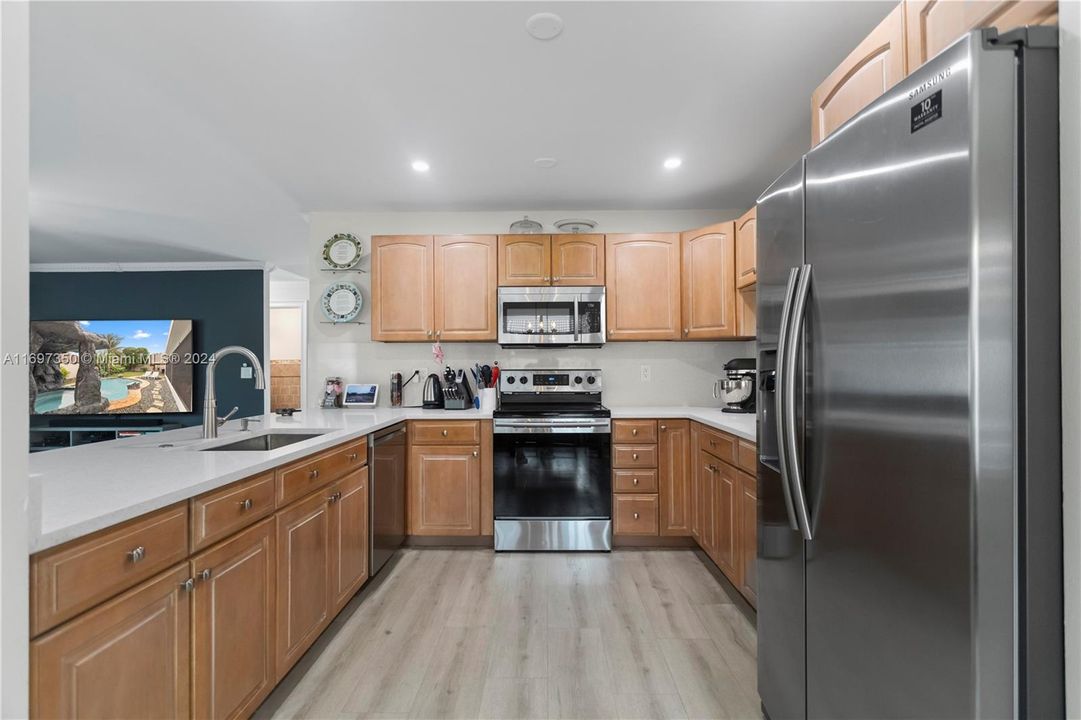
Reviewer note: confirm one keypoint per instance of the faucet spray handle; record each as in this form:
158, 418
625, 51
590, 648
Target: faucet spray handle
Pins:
224, 419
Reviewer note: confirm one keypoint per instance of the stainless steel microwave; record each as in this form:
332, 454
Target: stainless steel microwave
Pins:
551, 316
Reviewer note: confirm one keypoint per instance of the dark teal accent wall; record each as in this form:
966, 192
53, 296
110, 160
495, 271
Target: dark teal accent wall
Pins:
226, 307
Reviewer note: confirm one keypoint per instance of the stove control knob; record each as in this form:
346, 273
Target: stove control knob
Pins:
591, 379
522, 380
578, 380
510, 379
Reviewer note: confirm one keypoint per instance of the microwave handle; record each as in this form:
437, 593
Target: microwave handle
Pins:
574, 320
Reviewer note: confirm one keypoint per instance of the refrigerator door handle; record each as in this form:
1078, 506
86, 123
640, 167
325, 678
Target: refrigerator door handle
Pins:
779, 394
788, 401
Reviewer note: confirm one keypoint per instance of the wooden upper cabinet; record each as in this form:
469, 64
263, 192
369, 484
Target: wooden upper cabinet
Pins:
747, 312
348, 537
674, 471
642, 277
402, 272
444, 490
578, 259
127, 658
465, 287
233, 624
932, 25
525, 259
876, 65
746, 249
709, 283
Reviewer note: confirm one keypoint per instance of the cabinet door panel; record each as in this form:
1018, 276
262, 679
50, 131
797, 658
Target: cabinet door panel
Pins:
727, 521
303, 600
932, 25
465, 287
642, 280
127, 658
694, 477
233, 624
747, 312
444, 490
746, 249
402, 277
748, 537
525, 259
634, 515
876, 65
349, 537
706, 469
709, 283
578, 259
674, 471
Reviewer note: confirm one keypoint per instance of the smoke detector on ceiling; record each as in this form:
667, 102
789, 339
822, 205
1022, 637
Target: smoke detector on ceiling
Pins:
544, 26
575, 225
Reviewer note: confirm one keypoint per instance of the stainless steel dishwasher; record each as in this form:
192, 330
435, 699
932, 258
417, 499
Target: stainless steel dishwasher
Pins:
387, 483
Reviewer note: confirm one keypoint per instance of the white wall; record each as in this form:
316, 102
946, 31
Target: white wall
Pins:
682, 372
14, 338
285, 333
1070, 139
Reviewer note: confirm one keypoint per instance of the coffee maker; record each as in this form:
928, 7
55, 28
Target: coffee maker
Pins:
737, 388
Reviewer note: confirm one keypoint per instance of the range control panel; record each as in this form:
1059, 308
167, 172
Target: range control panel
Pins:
548, 381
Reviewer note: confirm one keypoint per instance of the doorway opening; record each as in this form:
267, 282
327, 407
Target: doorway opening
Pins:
288, 338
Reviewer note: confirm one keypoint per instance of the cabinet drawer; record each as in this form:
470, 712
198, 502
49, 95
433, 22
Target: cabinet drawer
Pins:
719, 445
747, 456
297, 480
634, 456
65, 581
449, 432
221, 513
634, 431
635, 514
634, 481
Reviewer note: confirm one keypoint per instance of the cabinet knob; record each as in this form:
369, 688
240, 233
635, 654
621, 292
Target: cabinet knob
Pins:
246, 503
429, 333
205, 574
547, 279
712, 443
437, 332
353, 457
634, 456
334, 497
476, 454
686, 331
635, 481
636, 516
314, 474
188, 585
663, 428
634, 431
444, 433
555, 279
137, 554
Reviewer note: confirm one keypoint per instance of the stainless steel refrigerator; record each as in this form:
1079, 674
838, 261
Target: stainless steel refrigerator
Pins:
909, 536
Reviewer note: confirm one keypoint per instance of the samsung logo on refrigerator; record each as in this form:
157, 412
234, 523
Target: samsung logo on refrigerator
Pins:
927, 85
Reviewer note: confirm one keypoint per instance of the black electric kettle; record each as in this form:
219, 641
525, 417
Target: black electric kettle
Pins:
432, 398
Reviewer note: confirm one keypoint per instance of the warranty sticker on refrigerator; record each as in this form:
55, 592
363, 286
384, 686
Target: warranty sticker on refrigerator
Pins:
926, 111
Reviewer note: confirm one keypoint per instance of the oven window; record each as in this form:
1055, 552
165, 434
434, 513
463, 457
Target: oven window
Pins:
550, 318
553, 476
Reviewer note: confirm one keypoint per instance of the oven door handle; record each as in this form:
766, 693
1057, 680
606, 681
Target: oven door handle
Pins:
559, 425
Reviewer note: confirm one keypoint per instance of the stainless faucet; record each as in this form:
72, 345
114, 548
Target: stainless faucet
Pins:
211, 421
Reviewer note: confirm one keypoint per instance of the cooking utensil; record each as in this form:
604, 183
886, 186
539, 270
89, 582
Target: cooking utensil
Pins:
495, 375
486, 375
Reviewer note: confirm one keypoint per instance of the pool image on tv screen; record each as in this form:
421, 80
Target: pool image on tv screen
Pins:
110, 367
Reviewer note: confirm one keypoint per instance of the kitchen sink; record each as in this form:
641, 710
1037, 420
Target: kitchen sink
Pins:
264, 442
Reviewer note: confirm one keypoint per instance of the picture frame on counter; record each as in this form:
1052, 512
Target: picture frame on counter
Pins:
333, 393
358, 395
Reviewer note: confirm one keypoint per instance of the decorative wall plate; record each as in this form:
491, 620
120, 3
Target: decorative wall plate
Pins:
342, 251
342, 302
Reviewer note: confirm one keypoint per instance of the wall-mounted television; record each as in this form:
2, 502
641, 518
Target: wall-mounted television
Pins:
111, 367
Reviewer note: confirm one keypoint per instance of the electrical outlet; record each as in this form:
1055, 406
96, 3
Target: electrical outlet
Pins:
647, 373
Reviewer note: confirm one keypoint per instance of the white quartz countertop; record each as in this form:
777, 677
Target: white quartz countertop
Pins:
79, 490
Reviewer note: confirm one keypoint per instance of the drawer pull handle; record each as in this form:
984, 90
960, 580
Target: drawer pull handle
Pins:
635, 481
636, 516
444, 433
137, 554
712, 443
634, 431
663, 428
205, 574
188, 585
314, 474
353, 457
246, 503
634, 456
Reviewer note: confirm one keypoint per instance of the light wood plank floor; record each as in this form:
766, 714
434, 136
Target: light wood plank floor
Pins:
471, 634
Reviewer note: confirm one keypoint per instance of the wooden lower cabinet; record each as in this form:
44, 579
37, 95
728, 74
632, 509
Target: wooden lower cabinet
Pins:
635, 514
673, 470
444, 490
129, 657
303, 600
233, 624
706, 469
726, 521
748, 537
693, 481
348, 537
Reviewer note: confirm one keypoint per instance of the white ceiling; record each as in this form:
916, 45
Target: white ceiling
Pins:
183, 131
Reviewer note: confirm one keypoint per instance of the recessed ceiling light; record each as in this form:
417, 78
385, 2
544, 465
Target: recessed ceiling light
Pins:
421, 166
672, 163
544, 26
545, 162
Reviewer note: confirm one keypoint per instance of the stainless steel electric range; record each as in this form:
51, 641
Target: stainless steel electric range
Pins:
552, 461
